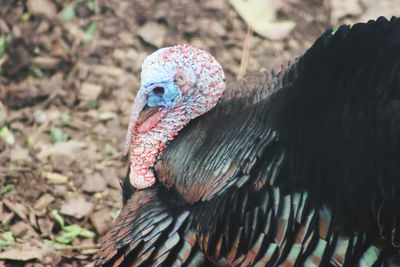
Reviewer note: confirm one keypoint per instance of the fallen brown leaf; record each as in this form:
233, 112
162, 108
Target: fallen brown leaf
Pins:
153, 33
55, 178
101, 220
77, 208
94, 183
43, 202
89, 91
24, 253
17, 208
42, 7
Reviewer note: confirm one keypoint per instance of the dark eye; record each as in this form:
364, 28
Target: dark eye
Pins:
158, 90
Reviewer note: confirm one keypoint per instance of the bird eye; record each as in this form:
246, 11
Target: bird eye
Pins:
158, 90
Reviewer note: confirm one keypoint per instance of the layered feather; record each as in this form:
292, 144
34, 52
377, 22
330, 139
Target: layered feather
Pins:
295, 168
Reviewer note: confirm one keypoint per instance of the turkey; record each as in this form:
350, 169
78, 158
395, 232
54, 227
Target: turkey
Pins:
295, 168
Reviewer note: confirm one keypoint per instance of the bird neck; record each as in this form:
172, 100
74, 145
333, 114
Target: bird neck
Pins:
146, 146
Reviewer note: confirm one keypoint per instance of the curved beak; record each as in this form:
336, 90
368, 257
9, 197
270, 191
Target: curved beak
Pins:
138, 106
146, 113
139, 114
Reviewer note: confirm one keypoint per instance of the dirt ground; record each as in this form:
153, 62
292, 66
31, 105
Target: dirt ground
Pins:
69, 71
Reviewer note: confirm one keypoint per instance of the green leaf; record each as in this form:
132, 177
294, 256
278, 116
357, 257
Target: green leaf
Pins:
36, 72
73, 229
91, 30
87, 233
91, 5
5, 43
30, 142
58, 218
2, 47
94, 104
51, 244
4, 244
7, 239
56, 135
65, 117
68, 13
7, 135
7, 189
26, 16
66, 238
12, 166
114, 213
109, 150
8, 236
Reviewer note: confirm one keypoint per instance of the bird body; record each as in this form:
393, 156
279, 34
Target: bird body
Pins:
296, 168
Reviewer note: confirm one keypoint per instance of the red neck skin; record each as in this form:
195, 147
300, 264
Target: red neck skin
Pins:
146, 145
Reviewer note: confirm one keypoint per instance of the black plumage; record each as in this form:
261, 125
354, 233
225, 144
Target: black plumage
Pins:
300, 168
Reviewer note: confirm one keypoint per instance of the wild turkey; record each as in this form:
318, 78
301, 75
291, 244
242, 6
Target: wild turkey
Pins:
297, 168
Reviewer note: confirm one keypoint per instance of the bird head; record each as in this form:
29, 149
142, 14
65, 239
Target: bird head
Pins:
178, 84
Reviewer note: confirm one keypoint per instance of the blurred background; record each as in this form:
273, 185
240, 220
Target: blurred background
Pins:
69, 72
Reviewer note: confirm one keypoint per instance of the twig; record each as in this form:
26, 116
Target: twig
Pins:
245, 53
40, 130
88, 246
91, 211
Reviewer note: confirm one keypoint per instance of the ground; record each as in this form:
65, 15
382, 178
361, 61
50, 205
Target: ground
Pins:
69, 71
